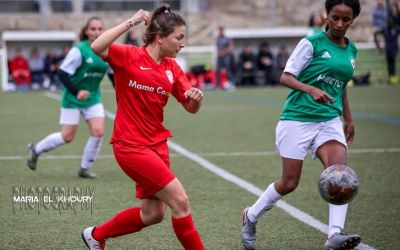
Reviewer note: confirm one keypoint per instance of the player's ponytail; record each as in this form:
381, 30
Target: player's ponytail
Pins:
163, 21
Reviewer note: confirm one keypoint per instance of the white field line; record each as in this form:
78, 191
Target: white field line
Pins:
294, 212
210, 154
291, 210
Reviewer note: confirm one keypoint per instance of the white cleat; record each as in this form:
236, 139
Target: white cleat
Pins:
91, 242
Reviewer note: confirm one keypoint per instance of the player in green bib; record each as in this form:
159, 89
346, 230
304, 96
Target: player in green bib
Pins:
81, 73
317, 73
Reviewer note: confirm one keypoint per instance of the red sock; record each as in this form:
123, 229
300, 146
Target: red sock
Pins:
125, 222
187, 233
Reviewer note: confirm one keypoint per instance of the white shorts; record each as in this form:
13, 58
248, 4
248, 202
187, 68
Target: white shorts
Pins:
294, 139
70, 116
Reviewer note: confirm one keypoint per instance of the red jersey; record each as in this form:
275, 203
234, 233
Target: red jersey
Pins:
142, 90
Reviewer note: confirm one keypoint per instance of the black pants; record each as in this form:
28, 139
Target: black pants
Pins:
391, 63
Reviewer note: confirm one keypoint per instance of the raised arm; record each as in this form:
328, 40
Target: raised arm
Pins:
102, 43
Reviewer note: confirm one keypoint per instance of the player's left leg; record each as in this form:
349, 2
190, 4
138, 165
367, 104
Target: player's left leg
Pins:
330, 153
95, 120
291, 172
174, 195
131, 220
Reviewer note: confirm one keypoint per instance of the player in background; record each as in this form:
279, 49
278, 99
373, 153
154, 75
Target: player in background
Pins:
145, 78
81, 73
317, 73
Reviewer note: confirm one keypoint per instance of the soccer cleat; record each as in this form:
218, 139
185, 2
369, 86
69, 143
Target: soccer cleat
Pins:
91, 242
32, 156
85, 173
342, 240
248, 232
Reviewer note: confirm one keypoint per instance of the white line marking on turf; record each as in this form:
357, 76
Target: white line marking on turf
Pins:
210, 154
291, 210
53, 157
294, 212
52, 95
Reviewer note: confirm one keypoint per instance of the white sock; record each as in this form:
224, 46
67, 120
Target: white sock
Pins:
264, 203
337, 217
51, 142
91, 151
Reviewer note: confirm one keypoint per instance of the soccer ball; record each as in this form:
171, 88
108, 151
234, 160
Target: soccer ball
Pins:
338, 184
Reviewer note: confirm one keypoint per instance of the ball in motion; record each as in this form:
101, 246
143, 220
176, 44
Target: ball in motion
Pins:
338, 184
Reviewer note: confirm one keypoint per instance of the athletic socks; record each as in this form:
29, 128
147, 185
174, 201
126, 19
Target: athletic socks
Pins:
91, 151
186, 232
264, 203
337, 218
51, 142
125, 222
337, 214
129, 221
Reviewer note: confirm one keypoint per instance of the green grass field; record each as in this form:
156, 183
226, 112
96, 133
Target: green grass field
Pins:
234, 131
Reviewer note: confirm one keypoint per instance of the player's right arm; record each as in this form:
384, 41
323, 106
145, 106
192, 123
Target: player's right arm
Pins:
298, 61
101, 44
68, 67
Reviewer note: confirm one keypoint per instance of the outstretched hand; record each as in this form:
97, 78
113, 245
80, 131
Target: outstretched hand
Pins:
194, 94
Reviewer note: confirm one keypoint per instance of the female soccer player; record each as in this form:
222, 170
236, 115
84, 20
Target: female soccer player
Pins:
145, 78
81, 73
317, 73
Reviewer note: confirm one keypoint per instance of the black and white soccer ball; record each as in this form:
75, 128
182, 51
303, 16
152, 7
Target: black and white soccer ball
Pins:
338, 184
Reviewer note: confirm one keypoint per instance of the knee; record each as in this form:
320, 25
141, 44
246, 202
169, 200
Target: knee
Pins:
68, 138
181, 203
289, 186
155, 218
97, 133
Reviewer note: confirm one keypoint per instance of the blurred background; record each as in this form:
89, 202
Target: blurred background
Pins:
48, 28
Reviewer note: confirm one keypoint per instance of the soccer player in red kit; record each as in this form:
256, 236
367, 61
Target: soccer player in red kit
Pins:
145, 78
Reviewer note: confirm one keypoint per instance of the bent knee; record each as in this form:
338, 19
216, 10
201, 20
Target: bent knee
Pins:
68, 138
156, 218
153, 217
290, 186
182, 203
97, 133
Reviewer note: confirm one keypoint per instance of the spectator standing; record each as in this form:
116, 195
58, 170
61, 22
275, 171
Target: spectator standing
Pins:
265, 62
379, 17
225, 59
391, 34
395, 14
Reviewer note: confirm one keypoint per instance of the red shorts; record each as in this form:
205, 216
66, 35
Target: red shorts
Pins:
148, 166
